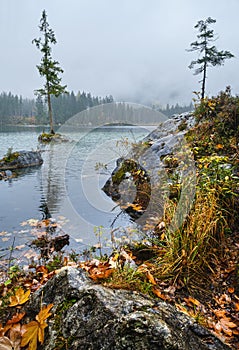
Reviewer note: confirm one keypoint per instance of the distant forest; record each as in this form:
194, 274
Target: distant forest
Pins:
175, 109
17, 110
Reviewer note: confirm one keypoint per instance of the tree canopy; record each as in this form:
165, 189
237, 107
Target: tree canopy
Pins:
48, 68
208, 55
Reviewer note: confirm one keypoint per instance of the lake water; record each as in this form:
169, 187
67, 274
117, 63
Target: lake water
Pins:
67, 187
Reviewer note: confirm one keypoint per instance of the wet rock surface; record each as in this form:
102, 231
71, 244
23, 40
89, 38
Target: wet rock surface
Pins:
161, 156
89, 316
22, 159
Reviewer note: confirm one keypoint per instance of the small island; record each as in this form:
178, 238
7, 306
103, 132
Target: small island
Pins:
20, 159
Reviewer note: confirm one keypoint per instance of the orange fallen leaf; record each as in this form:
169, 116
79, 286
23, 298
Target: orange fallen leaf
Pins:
236, 305
220, 313
228, 323
2, 330
190, 301
42, 269
151, 278
16, 318
231, 290
182, 308
99, 273
44, 313
157, 292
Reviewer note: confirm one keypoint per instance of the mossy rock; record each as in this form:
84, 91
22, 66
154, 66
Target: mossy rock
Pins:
49, 138
10, 157
20, 159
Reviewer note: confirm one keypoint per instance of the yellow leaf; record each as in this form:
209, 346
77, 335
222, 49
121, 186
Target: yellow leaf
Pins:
20, 297
35, 329
41, 328
30, 335
44, 313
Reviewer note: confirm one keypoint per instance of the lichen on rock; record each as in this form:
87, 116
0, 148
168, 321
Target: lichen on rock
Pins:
91, 316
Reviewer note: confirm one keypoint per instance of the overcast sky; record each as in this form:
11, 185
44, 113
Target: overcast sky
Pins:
132, 49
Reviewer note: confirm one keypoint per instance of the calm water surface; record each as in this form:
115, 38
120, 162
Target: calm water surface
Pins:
67, 187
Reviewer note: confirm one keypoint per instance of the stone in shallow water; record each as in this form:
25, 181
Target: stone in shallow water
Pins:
22, 159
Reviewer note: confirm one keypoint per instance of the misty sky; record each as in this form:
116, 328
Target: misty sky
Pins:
132, 49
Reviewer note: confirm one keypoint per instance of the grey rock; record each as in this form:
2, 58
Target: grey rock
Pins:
8, 173
24, 159
101, 318
165, 141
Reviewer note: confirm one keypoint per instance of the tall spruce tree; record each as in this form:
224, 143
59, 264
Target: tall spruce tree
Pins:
48, 68
208, 55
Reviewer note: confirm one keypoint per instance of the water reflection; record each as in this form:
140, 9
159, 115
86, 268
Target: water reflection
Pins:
60, 188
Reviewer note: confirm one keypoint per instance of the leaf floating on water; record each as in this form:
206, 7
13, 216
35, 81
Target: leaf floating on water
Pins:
32, 222
3, 233
19, 247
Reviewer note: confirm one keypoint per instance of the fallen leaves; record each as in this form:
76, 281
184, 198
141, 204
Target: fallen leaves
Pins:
159, 294
16, 318
27, 334
20, 297
34, 330
97, 269
5, 343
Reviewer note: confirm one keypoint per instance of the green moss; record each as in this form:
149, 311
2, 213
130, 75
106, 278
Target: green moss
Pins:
10, 156
47, 137
182, 126
62, 343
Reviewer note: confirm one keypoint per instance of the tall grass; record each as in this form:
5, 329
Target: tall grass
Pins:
189, 252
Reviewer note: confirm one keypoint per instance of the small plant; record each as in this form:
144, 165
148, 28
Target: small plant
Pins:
130, 279
10, 155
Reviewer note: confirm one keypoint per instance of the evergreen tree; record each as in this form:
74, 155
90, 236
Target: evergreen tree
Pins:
208, 55
48, 68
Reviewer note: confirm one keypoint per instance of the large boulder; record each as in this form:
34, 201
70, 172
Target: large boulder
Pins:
21, 159
88, 316
163, 163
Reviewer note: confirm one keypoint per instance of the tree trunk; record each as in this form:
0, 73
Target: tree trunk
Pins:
50, 113
204, 79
